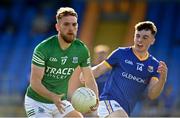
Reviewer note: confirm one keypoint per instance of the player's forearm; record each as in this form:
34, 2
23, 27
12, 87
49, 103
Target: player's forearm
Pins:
41, 90
91, 83
96, 71
156, 90
99, 70
93, 86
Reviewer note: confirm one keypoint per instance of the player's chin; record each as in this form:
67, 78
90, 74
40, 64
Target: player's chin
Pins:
140, 48
70, 40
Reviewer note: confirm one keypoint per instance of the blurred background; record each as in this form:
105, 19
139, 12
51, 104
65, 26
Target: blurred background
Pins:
25, 23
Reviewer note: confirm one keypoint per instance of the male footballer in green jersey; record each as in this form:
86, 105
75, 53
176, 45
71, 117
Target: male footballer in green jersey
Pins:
53, 63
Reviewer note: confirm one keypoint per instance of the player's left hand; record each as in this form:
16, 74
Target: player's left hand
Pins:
162, 70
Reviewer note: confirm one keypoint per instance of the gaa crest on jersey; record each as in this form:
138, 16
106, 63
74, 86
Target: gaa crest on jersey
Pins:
150, 69
63, 60
75, 60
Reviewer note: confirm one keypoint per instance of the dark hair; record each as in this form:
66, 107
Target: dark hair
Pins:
65, 11
146, 25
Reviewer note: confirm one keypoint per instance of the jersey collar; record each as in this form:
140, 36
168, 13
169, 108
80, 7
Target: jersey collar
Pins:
140, 58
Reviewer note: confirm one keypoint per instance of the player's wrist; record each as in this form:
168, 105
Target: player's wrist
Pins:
163, 79
55, 98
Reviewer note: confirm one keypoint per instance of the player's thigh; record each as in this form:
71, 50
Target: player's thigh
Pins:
110, 107
118, 113
91, 114
74, 113
35, 109
69, 111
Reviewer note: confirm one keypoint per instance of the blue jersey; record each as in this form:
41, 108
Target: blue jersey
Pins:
129, 77
101, 81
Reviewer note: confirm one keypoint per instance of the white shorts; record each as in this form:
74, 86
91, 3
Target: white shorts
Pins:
35, 109
106, 107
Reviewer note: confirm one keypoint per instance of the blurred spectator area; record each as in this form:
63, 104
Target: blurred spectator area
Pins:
25, 23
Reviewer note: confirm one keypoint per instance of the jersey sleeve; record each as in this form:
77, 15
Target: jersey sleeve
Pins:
39, 56
155, 73
86, 61
112, 59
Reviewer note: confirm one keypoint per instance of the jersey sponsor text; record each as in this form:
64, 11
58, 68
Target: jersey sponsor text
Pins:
132, 77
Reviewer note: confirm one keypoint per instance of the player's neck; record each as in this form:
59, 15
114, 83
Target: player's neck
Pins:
141, 55
64, 45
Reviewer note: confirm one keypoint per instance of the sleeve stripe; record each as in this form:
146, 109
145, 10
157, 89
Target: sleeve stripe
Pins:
38, 60
35, 60
155, 78
107, 64
39, 54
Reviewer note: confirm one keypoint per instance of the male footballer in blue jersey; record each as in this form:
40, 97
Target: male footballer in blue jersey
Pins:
133, 70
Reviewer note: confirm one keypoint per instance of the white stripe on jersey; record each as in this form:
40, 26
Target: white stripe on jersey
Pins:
38, 60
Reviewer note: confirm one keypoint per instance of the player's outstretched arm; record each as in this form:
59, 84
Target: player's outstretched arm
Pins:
89, 79
157, 85
100, 69
35, 81
90, 83
75, 82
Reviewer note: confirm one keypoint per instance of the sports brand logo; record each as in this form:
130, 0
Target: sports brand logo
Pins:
41, 110
129, 62
53, 59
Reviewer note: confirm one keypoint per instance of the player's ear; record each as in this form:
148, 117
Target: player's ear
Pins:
153, 41
77, 25
57, 26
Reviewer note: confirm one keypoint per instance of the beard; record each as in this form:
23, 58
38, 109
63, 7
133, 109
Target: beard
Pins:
68, 39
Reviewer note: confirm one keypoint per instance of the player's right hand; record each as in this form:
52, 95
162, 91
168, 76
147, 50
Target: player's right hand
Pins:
94, 108
162, 70
59, 104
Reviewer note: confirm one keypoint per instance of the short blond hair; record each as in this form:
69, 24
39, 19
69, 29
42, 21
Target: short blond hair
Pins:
65, 11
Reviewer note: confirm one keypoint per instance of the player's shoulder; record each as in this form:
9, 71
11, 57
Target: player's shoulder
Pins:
122, 49
153, 59
48, 41
79, 44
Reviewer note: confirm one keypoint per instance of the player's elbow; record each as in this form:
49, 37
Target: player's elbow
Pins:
35, 83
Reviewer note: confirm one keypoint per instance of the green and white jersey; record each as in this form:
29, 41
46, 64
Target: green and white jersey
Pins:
59, 65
